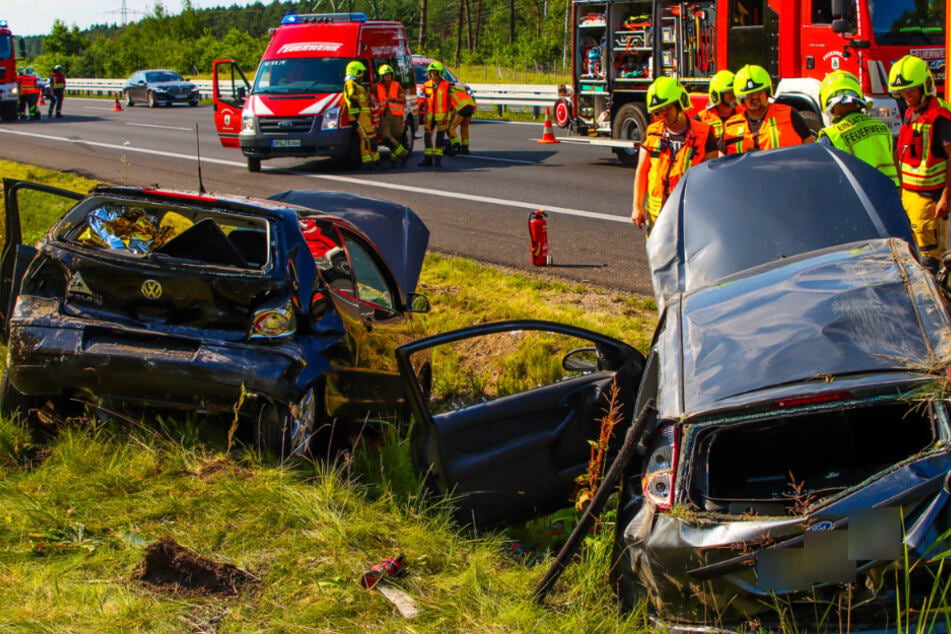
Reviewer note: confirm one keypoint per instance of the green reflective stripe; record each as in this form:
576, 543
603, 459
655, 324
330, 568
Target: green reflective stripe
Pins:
773, 133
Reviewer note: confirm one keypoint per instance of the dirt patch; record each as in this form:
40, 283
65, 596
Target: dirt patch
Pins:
170, 567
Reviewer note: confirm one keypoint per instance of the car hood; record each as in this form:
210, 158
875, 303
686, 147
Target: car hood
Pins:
742, 211
794, 325
396, 230
278, 105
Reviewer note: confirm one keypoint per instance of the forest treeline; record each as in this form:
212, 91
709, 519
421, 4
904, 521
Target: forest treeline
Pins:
526, 34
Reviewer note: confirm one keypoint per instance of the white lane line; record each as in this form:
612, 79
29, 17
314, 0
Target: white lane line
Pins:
363, 182
163, 127
95, 108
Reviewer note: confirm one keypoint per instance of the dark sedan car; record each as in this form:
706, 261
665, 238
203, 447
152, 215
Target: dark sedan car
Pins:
159, 87
285, 311
794, 469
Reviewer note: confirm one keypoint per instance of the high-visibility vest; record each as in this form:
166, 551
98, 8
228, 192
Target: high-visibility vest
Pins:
667, 167
390, 94
776, 130
459, 97
437, 100
358, 101
920, 170
712, 119
57, 80
867, 138
27, 84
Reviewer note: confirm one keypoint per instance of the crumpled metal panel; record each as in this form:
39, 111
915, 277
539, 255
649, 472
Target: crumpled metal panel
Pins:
742, 211
842, 312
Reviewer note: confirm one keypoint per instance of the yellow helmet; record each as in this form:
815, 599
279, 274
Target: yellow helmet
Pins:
355, 68
720, 83
910, 72
751, 79
384, 69
840, 86
665, 91
435, 66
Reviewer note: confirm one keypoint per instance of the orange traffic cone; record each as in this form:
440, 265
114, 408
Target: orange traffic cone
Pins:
118, 106
548, 135
42, 99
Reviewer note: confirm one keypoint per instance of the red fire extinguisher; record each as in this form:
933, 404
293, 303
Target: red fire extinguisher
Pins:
538, 231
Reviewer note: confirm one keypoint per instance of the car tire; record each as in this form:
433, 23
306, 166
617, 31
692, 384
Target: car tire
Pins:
153, 102
286, 431
13, 404
128, 99
9, 111
352, 160
193, 104
409, 135
630, 122
254, 164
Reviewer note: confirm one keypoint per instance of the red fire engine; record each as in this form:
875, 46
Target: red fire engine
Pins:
8, 72
620, 46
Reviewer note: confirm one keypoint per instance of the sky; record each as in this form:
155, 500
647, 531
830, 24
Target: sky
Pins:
35, 17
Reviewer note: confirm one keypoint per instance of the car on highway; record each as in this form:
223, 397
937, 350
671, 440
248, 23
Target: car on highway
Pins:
159, 87
421, 63
282, 312
794, 462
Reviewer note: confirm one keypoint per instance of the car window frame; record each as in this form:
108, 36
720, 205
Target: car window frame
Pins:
351, 239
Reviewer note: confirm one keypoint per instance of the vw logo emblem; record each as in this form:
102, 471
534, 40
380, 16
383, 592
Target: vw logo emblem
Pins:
151, 289
285, 124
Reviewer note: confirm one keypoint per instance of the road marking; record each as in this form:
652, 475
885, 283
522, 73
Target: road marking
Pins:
163, 127
362, 182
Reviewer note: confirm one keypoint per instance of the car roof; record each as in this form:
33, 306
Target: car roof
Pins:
801, 325
742, 211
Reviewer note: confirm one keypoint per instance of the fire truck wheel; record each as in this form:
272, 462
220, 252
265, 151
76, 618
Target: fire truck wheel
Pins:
630, 123
254, 164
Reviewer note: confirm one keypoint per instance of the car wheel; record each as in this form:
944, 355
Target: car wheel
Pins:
153, 102
9, 111
409, 135
287, 430
254, 164
128, 99
13, 403
352, 160
630, 123
192, 103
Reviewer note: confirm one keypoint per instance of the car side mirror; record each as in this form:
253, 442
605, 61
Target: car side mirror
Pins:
241, 93
582, 360
416, 303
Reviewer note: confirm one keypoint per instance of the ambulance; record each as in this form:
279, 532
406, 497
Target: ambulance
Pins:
294, 107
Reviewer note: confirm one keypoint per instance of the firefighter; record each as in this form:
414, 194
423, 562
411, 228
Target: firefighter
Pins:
763, 125
358, 106
29, 90
852, 131
57, 90
463, 106
722, 102
923, 167
436, 121
672, 144
391, 98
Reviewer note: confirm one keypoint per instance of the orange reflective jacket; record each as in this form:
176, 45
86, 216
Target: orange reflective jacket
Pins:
391, 95
920, 169
668, 167
775, 131
712, 119
437, 101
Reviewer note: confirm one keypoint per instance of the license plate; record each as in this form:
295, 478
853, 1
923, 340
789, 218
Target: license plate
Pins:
285, 143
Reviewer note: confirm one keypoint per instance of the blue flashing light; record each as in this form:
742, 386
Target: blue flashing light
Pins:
313, 18
3, 24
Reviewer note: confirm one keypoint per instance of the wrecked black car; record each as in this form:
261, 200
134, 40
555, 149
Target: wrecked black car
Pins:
798, 442
282, 313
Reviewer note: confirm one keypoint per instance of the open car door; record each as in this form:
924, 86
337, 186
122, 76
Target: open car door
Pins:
505, 412
17, 229
230, 89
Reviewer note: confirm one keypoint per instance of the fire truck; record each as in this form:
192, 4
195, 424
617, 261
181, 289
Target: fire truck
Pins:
620, 46
8, 72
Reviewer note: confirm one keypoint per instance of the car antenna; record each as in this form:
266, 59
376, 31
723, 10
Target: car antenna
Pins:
201, 185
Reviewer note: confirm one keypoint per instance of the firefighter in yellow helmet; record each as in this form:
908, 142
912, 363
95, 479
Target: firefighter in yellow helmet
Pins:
672, 144
853, 131
924, 168
722, 102
357, 100
463, 107
763, 125
436, 121
391, 98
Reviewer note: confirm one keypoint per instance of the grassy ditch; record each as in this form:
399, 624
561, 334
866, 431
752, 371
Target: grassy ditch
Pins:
285, 545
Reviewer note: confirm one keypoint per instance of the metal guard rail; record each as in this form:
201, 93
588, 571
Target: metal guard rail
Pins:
520, 96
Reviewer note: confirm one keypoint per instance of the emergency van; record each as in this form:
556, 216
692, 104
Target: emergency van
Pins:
295, 107
8, 71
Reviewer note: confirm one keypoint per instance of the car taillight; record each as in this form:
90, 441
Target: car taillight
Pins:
811, 399
659, 470
274, 321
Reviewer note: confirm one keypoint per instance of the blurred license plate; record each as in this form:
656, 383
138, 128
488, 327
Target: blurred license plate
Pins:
285, 142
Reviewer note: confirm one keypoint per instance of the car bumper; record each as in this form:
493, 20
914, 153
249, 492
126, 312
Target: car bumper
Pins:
155, 370
169, 98
333, 143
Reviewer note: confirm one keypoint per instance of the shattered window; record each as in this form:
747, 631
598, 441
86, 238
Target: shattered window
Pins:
195, 236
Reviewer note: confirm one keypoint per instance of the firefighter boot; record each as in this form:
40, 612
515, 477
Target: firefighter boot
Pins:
437, 161
426, 162
464, 149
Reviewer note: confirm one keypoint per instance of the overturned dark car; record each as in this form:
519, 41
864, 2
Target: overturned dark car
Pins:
283, 312
795, 468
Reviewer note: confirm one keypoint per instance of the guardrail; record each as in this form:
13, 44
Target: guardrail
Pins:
502, 96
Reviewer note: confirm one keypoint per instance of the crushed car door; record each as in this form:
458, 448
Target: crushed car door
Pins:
16, 255
506, 412
230, 89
